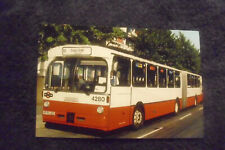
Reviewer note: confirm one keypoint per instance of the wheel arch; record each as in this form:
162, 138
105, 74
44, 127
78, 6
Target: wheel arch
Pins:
178, 102
196, 99
140, 105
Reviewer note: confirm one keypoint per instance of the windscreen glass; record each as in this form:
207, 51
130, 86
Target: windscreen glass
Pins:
77, 75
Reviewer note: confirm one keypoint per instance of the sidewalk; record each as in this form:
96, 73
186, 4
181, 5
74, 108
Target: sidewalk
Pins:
39, 109
39, 123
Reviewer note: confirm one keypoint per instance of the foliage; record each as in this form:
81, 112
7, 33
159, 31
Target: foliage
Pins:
189, 56
164, 47
158, 45
52, 35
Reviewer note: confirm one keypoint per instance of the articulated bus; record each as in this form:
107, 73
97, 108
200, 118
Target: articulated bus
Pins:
105, 89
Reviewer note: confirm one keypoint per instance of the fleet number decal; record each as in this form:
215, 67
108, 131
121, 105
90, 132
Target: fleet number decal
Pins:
98, 98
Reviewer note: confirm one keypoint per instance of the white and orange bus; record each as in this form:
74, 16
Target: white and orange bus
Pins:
101, 88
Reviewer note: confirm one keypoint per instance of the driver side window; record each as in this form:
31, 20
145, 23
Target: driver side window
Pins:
120, 74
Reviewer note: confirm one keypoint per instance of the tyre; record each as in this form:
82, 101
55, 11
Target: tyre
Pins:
138, 118
176, 108
196, 102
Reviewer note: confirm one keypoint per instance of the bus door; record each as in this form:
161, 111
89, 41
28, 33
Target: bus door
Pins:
55, 75
184, 89
120, 91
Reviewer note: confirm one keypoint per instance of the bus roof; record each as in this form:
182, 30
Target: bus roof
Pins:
105, 52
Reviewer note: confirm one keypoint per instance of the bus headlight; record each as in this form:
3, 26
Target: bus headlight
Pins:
100, 109
46, 104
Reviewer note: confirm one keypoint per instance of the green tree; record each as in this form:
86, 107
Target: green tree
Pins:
156, 45
164, 47
52, 35
189, 56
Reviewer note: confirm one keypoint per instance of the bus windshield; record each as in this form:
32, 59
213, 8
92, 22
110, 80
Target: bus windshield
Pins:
77, 75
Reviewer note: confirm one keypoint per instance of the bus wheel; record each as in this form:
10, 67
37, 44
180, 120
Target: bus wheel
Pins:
196, 102
176, 108
138, 118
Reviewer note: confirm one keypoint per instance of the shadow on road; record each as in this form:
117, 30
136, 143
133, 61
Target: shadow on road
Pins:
103, 134
88, 131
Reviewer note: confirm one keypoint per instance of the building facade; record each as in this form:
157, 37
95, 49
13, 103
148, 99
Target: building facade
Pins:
124, 43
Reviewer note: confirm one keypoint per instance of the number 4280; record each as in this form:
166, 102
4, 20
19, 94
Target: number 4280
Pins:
98, 98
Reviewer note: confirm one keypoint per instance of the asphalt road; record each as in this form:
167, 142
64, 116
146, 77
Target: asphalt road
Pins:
187, 124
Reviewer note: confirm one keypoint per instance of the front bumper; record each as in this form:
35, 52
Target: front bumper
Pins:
76, 114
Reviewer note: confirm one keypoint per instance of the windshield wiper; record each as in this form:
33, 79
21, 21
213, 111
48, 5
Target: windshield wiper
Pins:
87, 88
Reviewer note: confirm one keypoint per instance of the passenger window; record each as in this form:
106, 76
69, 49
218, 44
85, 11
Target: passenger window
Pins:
162, 77
152, 76
138, 74
120, 74
198, 81
189, 80
192, 81
170, 78
194, 84
177, 79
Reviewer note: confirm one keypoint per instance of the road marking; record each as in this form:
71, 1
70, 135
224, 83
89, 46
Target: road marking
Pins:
200, 108
184, 116
150, 133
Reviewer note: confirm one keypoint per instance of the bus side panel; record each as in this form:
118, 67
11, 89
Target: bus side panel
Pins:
157, 101
157, 109
181, 103
190, 101
119, 117
120, 112
200, 98
191, 93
